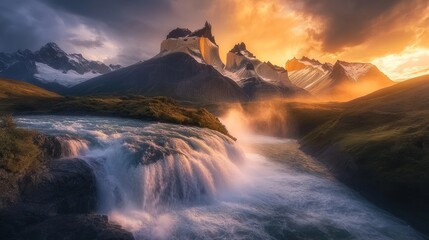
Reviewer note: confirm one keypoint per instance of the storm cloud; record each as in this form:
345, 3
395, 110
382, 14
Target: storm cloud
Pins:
87, 43
346, 23
27, 24
132, 29
128, 31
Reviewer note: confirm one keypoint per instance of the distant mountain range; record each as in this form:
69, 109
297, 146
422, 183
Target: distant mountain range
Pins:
188, 67
341, 78
259, 79
51, 67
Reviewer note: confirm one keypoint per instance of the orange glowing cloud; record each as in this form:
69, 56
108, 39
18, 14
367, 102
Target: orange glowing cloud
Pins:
270, 30
379, 32
384, 32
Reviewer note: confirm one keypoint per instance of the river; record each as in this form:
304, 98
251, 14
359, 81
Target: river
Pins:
165, 181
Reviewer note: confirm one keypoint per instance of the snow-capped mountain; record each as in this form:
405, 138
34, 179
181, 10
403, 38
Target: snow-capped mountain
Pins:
239, 59
200, 45
51, 67
259, 79
188, 67
337, 79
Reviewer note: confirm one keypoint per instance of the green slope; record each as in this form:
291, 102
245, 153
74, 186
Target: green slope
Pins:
378, 144
18, 89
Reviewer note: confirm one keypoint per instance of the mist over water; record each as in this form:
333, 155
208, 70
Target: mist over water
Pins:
164, 181
267, 118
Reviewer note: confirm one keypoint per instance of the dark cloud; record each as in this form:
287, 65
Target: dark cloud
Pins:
123, 16
87, 43
131, 30
137, 27
26, 24
134, 27
347, 23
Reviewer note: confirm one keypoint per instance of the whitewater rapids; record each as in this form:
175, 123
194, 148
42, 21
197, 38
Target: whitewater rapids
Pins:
164, 181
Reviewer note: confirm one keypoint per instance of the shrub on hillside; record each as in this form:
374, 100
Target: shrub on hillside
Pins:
17, 150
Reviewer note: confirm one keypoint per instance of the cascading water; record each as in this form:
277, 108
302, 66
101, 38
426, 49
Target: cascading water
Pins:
163, 166
164, 181
150, 167
72, 147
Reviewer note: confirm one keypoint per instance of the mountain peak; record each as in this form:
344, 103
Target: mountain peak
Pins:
294, 65
311, 60
206, 32
53, 46
275, 67
179, 32
240, 49
354, 70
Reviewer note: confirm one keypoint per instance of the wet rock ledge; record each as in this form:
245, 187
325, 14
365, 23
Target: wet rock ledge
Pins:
55, 200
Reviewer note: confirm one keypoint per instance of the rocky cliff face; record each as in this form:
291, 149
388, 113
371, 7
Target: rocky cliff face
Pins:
205, 32
56, 200
259, 79
199, 44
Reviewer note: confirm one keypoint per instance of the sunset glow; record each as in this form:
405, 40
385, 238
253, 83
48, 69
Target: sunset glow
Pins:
214, 119
280, 30
386, 33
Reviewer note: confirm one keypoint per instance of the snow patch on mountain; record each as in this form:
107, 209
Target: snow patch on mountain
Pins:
77, 58
51, 64
355, 70
188, 45
70, 78
199, 44
325, 78
242, 63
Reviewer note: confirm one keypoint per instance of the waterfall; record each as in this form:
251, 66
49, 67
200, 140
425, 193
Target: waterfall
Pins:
72, 147
164, 181
146, 166
159, 171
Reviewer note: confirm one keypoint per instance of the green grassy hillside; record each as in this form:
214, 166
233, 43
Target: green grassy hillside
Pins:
17, 150
378, 144
17, 89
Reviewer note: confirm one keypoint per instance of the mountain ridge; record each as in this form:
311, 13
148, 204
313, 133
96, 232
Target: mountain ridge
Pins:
176, 75
259, 79
50, 67
342, 78
198, 53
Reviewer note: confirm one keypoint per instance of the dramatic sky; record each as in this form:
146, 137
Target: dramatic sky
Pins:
393, 34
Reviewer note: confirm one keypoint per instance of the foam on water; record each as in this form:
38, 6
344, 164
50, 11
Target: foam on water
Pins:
164, 181
74, 147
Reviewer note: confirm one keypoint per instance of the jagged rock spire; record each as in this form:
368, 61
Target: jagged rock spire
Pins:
238, 48
179, 32
206, 32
